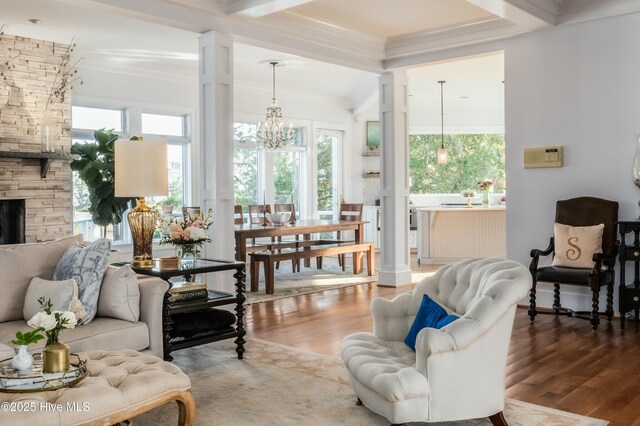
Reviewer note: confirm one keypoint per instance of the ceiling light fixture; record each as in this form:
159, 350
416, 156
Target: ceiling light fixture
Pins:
443, 156
272, 134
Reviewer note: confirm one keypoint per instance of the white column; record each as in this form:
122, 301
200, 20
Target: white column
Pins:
395, 269
216, 145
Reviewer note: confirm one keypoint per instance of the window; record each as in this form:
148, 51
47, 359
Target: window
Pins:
97, 118
471, 158
172, 128
167, 125
256, 170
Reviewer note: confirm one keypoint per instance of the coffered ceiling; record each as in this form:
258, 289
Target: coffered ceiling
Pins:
334, 48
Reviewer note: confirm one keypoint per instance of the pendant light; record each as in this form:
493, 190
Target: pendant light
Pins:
443, 156
272, 134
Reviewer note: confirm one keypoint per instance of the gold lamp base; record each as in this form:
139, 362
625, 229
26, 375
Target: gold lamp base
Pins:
142, 222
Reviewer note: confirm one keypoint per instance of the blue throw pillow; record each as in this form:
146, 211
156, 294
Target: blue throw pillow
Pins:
87, 266
431, 315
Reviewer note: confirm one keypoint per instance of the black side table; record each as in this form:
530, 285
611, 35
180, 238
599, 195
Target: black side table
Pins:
216, 298
629, 292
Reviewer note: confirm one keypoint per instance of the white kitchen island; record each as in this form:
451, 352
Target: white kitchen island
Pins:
447, 235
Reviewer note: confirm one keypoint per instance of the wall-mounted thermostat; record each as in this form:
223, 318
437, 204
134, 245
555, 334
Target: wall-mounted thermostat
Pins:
548, 156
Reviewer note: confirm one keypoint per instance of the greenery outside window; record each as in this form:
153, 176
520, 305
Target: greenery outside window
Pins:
471, 158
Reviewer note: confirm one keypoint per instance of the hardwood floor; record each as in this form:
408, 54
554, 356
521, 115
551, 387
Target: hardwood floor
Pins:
557, 362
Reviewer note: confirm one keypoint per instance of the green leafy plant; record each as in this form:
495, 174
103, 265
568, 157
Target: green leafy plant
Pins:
95, 166
28, 338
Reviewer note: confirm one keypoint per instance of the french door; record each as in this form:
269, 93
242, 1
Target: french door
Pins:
328, 187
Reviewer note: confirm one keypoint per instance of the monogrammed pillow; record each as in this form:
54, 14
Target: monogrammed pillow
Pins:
575, 245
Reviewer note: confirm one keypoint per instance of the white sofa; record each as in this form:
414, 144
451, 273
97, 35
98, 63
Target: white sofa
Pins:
457, 372
20, 263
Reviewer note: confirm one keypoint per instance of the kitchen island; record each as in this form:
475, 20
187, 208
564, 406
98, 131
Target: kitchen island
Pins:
449, 234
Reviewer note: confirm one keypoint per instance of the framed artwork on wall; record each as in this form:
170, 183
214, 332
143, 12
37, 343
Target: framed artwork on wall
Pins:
373, 136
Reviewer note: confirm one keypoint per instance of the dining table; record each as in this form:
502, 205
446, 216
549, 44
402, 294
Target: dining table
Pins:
301, 227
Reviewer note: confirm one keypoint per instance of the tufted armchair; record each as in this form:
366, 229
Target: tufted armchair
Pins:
457, 372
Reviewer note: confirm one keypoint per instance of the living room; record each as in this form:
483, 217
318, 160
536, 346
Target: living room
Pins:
568, 82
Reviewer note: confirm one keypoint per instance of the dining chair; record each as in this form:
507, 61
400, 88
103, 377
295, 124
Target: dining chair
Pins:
288, 208
348, 212
257, 213
238, 215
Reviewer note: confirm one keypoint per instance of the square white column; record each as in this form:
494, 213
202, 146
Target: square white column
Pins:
215, 152
395, 269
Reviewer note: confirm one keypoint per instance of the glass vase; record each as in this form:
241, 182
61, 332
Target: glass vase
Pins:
46, 131
486, 197
187, 254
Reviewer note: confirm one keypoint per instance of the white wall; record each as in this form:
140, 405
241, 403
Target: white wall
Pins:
577, 87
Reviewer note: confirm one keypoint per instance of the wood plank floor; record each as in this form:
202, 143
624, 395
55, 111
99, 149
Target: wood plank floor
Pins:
557, 362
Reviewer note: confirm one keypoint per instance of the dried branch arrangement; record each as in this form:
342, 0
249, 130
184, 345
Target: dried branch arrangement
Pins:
66, 75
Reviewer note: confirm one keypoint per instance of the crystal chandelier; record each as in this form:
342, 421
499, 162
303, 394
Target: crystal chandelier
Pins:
272, 134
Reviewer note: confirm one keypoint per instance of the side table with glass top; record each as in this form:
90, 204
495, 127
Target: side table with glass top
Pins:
215, 298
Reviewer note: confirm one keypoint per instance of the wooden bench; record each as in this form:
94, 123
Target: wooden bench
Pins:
304, 250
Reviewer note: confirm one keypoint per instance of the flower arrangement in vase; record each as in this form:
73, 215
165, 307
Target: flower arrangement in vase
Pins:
486, 186
55, 356
186, 234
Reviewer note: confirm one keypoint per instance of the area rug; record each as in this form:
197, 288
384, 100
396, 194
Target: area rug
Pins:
308, 280
279, 385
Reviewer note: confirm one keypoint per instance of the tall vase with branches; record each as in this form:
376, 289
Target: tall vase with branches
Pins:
63, 81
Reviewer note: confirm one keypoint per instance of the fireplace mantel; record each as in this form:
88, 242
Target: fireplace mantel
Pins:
45, 158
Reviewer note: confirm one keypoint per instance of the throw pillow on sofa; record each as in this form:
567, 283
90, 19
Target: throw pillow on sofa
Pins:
87, 266
120, 294
62, 294
430, 314
19, 263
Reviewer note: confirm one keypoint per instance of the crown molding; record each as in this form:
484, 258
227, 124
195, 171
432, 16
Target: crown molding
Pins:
474, 32
529, 14
576, 12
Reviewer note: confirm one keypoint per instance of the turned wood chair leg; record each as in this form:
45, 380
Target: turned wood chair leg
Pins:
595, 320
556, 297
532, 300
610, 301
498, 419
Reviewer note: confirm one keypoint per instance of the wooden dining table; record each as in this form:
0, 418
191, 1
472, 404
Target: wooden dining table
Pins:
301, 227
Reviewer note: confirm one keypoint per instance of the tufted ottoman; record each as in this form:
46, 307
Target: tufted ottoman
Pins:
119, 385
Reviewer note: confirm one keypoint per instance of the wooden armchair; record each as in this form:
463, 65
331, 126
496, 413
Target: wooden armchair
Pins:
580, 212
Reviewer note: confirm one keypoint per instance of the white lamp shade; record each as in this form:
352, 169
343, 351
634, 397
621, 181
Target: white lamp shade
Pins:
443, 156
141, 168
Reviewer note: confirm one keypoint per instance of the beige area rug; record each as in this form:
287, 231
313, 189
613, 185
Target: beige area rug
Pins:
312, 280
279, 385
308, 280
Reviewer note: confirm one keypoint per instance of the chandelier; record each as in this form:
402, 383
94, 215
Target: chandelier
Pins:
272, 134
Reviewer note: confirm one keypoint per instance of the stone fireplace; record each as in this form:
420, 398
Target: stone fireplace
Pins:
24, 93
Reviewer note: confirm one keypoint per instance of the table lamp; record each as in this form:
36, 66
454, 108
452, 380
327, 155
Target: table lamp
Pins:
141, 171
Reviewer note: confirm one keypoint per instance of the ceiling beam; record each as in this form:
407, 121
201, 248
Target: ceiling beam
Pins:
258, 8
528, 14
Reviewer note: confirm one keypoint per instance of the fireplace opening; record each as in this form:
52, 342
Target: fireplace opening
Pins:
12, 219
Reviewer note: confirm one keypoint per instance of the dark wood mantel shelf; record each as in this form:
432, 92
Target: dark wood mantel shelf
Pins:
45, 158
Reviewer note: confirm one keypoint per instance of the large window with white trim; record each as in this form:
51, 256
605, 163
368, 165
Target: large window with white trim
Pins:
175, 129
277, 176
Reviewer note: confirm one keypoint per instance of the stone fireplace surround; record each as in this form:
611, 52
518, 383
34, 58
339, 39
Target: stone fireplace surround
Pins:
23, 97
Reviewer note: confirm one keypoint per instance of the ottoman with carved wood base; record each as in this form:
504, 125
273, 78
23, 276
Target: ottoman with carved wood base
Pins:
119, 385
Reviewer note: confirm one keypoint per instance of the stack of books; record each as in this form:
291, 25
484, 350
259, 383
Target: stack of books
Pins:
184, 291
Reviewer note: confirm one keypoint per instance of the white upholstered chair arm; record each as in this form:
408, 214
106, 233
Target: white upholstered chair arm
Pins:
390, 318
152, 292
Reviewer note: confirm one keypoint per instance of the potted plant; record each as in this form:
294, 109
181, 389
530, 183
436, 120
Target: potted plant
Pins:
169, 203
23, 359
95, 167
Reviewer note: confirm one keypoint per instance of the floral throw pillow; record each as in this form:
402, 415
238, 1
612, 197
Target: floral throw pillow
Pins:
87, 266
